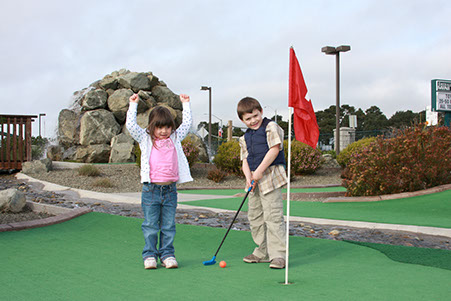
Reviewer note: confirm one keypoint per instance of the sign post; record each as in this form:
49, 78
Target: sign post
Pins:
441, 98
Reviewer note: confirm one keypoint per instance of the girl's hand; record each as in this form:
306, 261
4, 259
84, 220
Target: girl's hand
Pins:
184, 98
134, 98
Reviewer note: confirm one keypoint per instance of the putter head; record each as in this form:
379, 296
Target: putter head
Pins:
210, 262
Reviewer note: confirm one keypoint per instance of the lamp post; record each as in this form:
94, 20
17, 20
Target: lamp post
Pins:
209, 115
275, 112
336, 51
40, 114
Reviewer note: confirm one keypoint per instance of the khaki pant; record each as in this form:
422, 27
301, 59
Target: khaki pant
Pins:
267, 223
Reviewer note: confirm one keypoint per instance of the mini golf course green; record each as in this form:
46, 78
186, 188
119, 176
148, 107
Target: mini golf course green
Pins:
98, 257
235, 191
432, 210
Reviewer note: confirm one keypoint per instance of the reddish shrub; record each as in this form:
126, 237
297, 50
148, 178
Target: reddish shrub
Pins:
416, 158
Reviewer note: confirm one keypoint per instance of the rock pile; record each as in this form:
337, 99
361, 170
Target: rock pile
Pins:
93, 130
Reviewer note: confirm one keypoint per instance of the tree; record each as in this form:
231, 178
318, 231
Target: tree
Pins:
403, 119
374, 119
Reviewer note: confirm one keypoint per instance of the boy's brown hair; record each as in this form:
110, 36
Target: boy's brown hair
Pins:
247, 105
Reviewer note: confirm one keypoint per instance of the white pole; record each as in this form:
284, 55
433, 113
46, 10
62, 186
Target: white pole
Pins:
290, 110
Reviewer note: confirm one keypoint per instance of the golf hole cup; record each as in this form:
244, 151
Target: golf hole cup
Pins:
223, 264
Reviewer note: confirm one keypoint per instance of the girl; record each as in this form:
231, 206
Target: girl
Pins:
163, 164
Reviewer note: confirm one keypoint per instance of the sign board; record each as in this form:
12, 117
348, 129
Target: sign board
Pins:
202, 132
431, 117
441, 95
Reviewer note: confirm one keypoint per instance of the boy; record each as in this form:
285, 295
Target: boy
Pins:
264, 162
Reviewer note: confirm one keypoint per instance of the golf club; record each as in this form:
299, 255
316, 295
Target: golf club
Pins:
213, 260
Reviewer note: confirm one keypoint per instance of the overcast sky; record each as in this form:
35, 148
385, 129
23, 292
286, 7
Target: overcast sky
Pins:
50, 49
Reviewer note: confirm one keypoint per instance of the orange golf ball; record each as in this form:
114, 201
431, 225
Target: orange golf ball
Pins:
223, 264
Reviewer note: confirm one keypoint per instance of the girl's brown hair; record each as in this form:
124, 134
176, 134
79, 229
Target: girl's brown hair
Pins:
159, 117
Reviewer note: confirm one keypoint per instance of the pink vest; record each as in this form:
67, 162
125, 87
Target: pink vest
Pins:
163, 161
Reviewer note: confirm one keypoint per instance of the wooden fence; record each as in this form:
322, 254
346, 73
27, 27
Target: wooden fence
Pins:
15, 147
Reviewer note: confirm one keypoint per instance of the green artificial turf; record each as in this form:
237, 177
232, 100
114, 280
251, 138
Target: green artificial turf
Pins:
428, 210
235, 191
98, 257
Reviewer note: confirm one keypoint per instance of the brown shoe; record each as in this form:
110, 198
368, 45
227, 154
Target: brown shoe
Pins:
254, 259
277, 263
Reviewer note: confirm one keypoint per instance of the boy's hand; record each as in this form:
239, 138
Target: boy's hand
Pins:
251, 183
184, 98
257, 175
134, 98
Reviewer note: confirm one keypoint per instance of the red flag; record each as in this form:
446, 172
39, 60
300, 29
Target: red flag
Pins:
304, 122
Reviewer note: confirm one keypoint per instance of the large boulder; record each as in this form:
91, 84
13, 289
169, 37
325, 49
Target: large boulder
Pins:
122, 149
118, 103
95, 99
98, 127
12, 200
135, 81
68, 127
96, 153
163, 94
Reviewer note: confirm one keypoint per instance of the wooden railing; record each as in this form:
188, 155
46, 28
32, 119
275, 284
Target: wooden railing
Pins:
15, 148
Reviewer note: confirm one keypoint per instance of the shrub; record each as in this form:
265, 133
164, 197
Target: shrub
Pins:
88, 170
190, 150
414, 159
228, 158
103, 182
351, 149
330, 152
304, 158
38, 145
216, 175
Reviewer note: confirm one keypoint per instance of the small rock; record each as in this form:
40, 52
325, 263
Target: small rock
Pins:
12, 199
334, 232
202, 216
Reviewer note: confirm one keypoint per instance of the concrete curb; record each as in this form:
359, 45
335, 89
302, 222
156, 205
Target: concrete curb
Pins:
61, 215
389, 196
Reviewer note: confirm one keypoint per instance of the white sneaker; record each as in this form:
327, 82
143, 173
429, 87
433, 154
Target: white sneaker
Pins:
170, 263
150, 263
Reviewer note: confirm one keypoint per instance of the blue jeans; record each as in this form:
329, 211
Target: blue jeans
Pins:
159, 203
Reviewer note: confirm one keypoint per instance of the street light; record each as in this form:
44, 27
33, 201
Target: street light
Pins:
209, 115
40, 114
336, 51
215, 117
275, 112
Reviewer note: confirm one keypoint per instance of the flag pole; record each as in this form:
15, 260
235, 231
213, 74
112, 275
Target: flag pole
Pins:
290, 112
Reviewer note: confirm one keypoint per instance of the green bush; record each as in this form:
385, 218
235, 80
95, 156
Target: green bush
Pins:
416, 158
351, 149
330, 152
304, 158
88, 170
190, 150
228, 158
